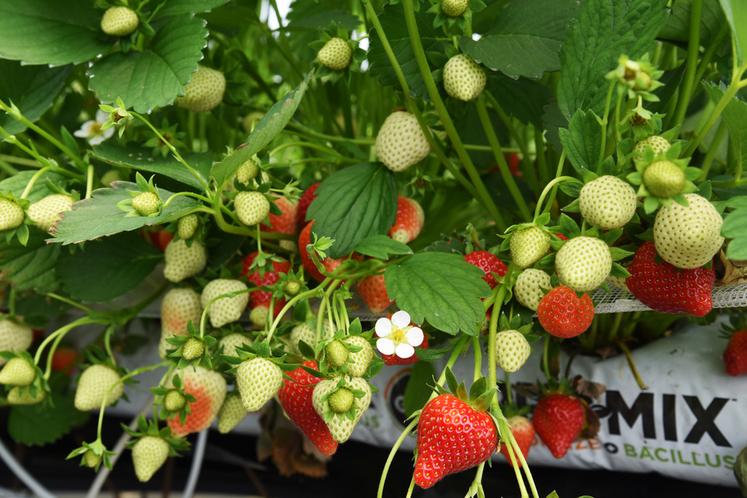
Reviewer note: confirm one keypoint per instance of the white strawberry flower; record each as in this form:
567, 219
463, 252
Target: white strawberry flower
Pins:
94, 131
397, 336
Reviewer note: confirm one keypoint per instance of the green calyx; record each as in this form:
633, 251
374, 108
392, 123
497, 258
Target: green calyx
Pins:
341, 400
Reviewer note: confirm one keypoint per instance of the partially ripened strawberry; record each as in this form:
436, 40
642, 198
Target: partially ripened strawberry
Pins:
285, 222
583, 263
563, 314
183, 260
558, 420
523, 431
179, 308
98, 384
204, 91
401, 142
46, 212
489, 263
223, 310
409, 220
528, 245
464, 79
304, 202
373, 292
119, 21
208, 388
263, 278
251, 207
295, 397
335, 54
663, 287
735, 354
304, 239
452, 437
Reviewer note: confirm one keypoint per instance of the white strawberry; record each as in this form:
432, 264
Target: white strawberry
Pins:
258, 381
583, 263
148, 455
179, 307
223, 310
530, 287
14, 336
607, 202
183, 260
98, 384
204, 91
341, 422
360, 356
512, 350
659, 145
335, 54
187, 226
119, 21
146, 203
464, 79
401, 142
45, 213
454, 8
251, 207
229, 344
528, 245
231, 413
11, 214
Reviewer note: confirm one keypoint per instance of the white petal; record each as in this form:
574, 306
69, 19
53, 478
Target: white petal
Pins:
96, 140
101, 116
401, 319
85, 129
383, 327
414, 336
404, 351
108, 132
385, 346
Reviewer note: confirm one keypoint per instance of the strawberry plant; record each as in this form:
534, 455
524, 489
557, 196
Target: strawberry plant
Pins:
313, 194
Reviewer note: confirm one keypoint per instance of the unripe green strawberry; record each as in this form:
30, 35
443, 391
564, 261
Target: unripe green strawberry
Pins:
306, 333
664, 179
454, 8
583, 263
401, 142
146, 203
11, 214
337, 353
179, 307
341, 425
110, 177
607, 202
247, 172
231, 413
174, 401
229, 344
91, 460
358, 361
656, 143
14, 337
45, 213
258, 381
258, 315
183, 260
530, 287
17, 372
187, 226
227, 309
464, 79
193, 349
119, 21
97, 384
341, 400
251, 207
20, 396
335, 54
148, 455
512, 350
688, 236
204, 91
208, 388
528, 245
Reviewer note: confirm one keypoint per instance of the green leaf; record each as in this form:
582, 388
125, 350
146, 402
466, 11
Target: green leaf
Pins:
439, 288
737, 249
106, 269
31, 267
353, 204
157, 75
417, 390
605, 30
582, 141
735, 224
54, 32
178, 7
381, 247
735, 117
266, 130
521, 98
677, 26
44, 423
16, 184
31, 88
141, 159
736, 13
99, 216
526, 38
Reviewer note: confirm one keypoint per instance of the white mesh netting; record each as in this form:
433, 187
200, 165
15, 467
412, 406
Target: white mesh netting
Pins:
617, 300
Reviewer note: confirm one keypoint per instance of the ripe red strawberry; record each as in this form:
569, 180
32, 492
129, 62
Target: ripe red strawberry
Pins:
373, 292
209, 390
489, 263
263, 279
523, 431
514, 164
735, 355
452, 437
285, 222
664, 287
304, 202
408, 221
558, 420
563, 314
393, 359
158, 238
304, 239
295, 396
64, 360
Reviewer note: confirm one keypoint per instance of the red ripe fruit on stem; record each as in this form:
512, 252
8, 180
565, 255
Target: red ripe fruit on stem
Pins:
558, 420
304, 202
452, 437
304, 239
669, 289
523, 431
408, 221
263, 279
563, 314
285, 222
735, 354
373, 292
158, 238
489, 263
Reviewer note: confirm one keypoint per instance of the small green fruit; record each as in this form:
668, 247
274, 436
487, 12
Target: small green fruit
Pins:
146, 203
664, 179
174, 401
341, 400
193, 349
337, 353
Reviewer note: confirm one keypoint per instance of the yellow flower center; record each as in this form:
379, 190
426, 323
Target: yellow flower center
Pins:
398, 335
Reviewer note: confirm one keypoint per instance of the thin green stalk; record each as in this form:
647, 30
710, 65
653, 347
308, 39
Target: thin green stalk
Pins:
513, 460
89, 181
292, 302
605, 121
492, 333
631, 363
507, 387
401, 439
477, 352
713, 149
544, 173
32, 181
86, 320
320, 313
443, 114
546, 357
693, 49
538, 209
495, 145
19, 160
710, 51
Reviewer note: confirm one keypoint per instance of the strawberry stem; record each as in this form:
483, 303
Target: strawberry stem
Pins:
506, 437
477, 351
631, 363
